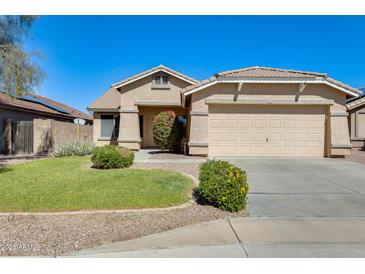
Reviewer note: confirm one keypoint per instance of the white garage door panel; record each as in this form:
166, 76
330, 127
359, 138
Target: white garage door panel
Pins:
266, 131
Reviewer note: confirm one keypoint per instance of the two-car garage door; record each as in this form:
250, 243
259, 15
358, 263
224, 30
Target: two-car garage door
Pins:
266, 131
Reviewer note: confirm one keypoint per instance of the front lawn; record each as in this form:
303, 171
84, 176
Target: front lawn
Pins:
68, 183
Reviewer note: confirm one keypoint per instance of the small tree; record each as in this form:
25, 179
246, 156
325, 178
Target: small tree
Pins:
167, 131
19, 74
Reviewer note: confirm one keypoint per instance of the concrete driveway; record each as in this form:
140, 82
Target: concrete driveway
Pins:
299, 208
290, 188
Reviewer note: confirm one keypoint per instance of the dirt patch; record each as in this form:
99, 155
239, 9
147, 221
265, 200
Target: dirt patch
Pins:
18, 159
190, 168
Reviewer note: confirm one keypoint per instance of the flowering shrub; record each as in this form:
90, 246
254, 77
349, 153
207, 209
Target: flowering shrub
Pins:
223, 185
167, 131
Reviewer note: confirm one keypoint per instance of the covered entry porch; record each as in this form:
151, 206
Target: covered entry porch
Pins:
135, 129
146, 116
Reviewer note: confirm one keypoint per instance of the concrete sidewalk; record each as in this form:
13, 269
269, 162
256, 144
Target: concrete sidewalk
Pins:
247, 237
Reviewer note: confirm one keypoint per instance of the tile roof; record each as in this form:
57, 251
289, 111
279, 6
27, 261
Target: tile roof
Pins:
146, 72
355, 102
14, 102
268, 72
199, 84
340, 84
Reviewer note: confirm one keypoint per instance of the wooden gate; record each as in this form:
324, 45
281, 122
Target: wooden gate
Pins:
22, 137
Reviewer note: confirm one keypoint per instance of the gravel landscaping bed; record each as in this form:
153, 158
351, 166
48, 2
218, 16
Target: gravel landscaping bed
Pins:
51, 235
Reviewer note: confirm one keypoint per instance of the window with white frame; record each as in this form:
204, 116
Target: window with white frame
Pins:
160, 80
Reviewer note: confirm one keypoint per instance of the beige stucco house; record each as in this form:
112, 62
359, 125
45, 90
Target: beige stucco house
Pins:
356, 110
254, 111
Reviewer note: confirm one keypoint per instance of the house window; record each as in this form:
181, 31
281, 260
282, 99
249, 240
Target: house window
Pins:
109, 126
160, 80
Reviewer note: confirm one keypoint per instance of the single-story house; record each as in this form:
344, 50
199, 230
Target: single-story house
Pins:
33, 106
254, 111
356, 110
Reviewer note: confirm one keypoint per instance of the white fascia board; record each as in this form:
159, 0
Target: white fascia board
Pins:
342, 89
152, 72
280, 81
200, 88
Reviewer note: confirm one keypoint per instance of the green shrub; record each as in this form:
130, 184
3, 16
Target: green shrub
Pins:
176, 135
223, 185
168, 131
73, 148
112, 157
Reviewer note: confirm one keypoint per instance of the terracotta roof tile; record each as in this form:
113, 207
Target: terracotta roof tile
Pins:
338, 83
267, 72
355, 103
198, 84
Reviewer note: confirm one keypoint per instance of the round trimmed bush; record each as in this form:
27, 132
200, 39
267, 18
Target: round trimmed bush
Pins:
112, 157
168, 131
223, 185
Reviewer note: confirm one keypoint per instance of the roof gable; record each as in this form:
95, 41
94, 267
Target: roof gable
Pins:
152, 71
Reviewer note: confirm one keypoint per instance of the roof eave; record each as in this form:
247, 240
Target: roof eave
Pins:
43, 113
309, 80
102, 109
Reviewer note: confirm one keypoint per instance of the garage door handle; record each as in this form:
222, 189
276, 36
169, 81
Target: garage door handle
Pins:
267, 140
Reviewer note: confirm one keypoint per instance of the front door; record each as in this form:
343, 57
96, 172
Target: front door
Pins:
148, 132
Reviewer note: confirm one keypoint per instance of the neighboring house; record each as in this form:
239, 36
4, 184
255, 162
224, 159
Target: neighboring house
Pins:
254, 111
356, 110
32, 106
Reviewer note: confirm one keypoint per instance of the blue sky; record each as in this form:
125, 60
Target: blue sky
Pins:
84, 55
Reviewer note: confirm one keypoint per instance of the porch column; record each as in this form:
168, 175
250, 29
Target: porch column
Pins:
198, 141
129, 135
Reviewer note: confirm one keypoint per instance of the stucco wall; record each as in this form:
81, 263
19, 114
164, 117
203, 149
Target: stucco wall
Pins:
97, 140
143, 90
357, 126
49, 133
337, 133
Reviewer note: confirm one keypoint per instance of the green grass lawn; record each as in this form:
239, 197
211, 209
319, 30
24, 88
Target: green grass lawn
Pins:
67, 183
